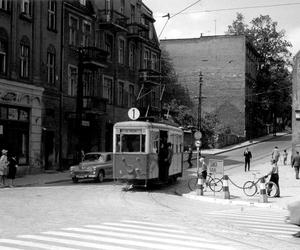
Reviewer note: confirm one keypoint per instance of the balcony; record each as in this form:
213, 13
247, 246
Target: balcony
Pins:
149, 77
93, 104
112, 20
94, 57
137, 30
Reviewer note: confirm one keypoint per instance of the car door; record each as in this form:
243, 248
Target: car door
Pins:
108, 166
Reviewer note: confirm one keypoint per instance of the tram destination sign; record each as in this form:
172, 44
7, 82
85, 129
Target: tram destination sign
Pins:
133, 113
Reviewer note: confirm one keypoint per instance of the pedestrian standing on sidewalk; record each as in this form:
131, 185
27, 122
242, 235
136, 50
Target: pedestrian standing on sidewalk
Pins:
190, 155
296, 164
285, 155
203, 170
12, 170
275, 155
248, 156
274, 173
3, 166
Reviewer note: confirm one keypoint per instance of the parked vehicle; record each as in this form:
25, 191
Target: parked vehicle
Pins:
136, 152
95, 165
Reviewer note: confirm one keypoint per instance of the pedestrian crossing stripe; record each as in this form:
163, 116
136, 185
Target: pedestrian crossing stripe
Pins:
261, 221
123, 235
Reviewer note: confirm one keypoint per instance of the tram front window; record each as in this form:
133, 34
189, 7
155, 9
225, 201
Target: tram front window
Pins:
131, 143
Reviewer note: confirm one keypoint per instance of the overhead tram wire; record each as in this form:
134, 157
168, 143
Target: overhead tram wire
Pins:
178, 13
237, 8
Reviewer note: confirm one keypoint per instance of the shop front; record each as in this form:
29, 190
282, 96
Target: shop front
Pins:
20, 123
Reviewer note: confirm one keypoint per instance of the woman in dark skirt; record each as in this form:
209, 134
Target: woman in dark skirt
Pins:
12, 170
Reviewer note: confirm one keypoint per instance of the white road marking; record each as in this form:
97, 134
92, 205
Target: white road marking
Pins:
34, 244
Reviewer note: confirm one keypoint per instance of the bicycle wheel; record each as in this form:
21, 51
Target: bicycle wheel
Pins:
272, 189
249, 188
215, 184
193, 183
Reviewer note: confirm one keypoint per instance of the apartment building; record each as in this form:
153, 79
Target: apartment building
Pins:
229, 67
68, 71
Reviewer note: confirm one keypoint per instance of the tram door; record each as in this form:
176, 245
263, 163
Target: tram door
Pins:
162, 154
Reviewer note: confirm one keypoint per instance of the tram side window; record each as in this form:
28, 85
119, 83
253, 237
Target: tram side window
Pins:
133, 143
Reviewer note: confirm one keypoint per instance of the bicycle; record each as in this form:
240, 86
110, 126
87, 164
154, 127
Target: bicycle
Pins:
215, 184
250, 187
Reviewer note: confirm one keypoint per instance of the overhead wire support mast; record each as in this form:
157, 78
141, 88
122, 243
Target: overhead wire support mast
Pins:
200, 101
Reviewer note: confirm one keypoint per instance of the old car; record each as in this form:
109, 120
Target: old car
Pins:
95, 165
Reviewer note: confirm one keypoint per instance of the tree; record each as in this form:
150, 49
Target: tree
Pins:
176, 100
273, 85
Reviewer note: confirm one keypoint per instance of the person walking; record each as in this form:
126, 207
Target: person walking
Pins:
190, 155
296, 164
3, 166
203, 171
285, 155
275, 155
12, 170
248, 156
274, 173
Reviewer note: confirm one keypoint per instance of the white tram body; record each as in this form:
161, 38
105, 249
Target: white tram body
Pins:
136, 146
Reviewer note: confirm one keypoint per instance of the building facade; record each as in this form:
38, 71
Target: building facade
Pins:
68, 71
229, 67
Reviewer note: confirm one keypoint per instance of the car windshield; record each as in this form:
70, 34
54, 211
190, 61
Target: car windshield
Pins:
93, 157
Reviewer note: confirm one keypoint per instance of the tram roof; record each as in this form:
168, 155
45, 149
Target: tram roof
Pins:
145, 124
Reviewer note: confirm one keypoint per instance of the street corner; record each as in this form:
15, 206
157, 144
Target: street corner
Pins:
234, 200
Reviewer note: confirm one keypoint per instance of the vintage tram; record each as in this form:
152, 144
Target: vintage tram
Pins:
136, 152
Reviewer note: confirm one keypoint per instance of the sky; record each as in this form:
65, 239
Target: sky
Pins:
212, 17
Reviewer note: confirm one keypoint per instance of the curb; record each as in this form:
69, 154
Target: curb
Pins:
250, 144
232, 202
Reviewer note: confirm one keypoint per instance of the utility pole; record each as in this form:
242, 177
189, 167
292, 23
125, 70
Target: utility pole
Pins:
199, 101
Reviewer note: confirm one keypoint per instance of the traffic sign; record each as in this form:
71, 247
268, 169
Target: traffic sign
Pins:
216, 166
133, 113
198, 135
198, 143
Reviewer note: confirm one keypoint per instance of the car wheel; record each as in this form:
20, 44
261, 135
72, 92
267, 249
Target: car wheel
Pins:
100, 176
75, 180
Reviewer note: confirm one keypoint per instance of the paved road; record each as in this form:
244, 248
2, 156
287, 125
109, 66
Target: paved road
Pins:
102, 216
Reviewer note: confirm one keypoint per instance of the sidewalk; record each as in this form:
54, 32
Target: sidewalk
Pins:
48, 177
289, 186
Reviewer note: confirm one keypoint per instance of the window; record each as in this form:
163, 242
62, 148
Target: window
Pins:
121, 93
24, 61
131, 141
86, 33
3, 52
52, 15
122, 7
4, 4
132, 13
51, 67
109, 45
88, 83
26, 7
154, 62
107, 91
82, 2
131, 96
107, 7
132, 56
72, 80
147, 59
73, 27
121, 51
153, 99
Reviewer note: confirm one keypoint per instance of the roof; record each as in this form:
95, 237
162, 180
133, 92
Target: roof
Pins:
138, 124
